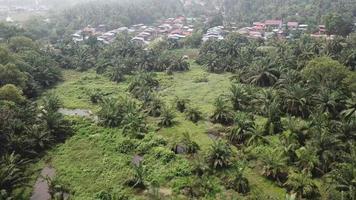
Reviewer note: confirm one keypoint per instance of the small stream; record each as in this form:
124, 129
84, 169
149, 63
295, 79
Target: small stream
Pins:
78, 112
41, 188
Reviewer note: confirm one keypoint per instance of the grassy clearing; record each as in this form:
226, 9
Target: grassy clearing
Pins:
76, 86
91, 155
189, 85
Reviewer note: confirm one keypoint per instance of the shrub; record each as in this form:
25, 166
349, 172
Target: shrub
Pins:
193, 114
236, 179
181, 104
126, 146
96, 96
219, 155
167, 118
163, 154
10, 92
202, 78
150, 141
222, 113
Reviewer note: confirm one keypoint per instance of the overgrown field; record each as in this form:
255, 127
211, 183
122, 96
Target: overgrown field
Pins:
98, 161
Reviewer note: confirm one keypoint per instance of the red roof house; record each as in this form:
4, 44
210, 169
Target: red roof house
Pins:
292, 25
273, 23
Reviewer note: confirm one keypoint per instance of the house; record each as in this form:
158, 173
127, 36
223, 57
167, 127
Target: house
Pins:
89, 30
292, 25
176, 31
101, 28
255, 34
139, 40
303, 27
243, 31
9, 19
164, 28
259, 26
273, 24
322, 29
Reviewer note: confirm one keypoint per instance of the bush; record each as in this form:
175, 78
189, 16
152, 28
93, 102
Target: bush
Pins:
181, 104
163, 154
96, 96
236, 179
150, 141
113, 111
202, 78
193, 114
10, 92
112, 195
222, 113
219, 155
167, 118
126, 146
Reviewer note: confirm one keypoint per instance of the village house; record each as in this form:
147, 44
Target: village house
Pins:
292, 25
273, 24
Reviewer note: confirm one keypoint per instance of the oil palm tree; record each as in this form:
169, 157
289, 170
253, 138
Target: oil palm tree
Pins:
332, 102
134, 124
139, 174
12, 173
350, 112
167, 117
295, 100
82, 59
273, 124
222, 113
238, 182
193, 114
244, 127
303, 185
219, 155
263, 74
274, 164
307, 159
238, 97
153, 106
190, 145
181, 104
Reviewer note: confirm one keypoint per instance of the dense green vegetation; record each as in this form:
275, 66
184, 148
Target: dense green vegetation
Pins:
304, 11
237, 118
27, 130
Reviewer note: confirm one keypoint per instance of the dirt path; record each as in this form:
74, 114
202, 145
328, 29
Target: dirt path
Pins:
41, 188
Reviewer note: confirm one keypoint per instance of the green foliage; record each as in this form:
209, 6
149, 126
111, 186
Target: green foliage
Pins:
114, 113
10, 92
181, 104
274, 164
219, 155
326, 72
303, 185
236, 180
338, 24
239, 97
243, 129
12, 174
10, 74
222, 113
193, 114
167, 117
